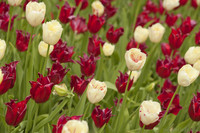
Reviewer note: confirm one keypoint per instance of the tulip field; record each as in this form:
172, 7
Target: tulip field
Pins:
99, 66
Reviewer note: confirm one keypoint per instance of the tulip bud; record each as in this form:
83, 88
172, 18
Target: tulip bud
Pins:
141, 34
96, 91
135, 59
197, 65
108, 49
14, 2
192, 55
52, 32
149, 114
186, 75
35, 13
150, 87
170, 4
1, 76
113, 35
61, 90
75, 126
43, 47
97, 8
134, 75
2, 48
156, 32
194, 108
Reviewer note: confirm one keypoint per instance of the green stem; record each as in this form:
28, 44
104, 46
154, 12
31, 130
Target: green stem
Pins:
86, 110
100, 66
46, 59
102, 129
9, 24
142, 130
36, 114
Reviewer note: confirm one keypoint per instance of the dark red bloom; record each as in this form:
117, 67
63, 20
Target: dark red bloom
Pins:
106, 2
57, 73
22, 40
95, 23
161, 8
171, 19
62, 52
166, 49
150, 7
78, 25
41, 89
197, 38
94, 45
176, 38
110, 11
83, 2
194, 108
4, 8
66, 12
62, 121
194, 3
163, 67
87, 64
26, 2
16, 111
117, 101
121, 82
165, 98
168, 86
177, 63
4, 20
79, 84
9, 77
101, 116
134, 44
183, 2
114, 35
187, 25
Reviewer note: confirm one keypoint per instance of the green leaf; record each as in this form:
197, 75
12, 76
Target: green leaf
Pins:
182, 126
111, 86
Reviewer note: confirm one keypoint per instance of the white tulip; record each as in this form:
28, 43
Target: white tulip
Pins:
135, 59
156, 32
2, 48
134, 75
141, 34
35, 13
43, 47
187, 75
197, 65
14, 2
192, 55
170, 4
1, 76
75, 126
97, 8
149, 112
108, 49
52, 32
96, 91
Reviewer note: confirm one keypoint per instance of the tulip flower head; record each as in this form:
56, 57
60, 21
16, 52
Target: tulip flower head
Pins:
97, 8
61, 90
141, 34
35, 13
166, 49
84, 3
156, 32
149, 114
114, 35
192, 55
43, 47
134, 75
170, 4
108, 49
163, 67
96, 91
14, 2
52, 32
187, 75
78, 25
135, 59
22, 40
197, 65
194, 108
94, 45
2, 48
95, 23
66, 12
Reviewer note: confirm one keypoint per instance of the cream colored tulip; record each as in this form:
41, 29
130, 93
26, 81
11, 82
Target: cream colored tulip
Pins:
156, 32
1, 76
135, 59
75, 126
14, 2
187, 75
134, 75
141, 34
192, 55
108, 49
2, 48
96, 91
35, 13
97, 8
43, 47
52, 32
170, 4
197, 65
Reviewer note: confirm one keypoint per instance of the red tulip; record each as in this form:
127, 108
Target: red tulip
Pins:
9, 77
171, 19
95, 23
194, 108
163, 67
57, 73
110, 11
117, 101
62, 121
134, 44
87, 64
22, 40
197, 38
4, 8
187, 25
16, 111
4, 20
168, 86
83, 2
66, 12
101, 116
122, 81
79, 84
94, 45
106, 2
150, 7
194, 3
165, 98
41, 89
176, 38
78, 25
26, 2
114, 35
177, 63
62, 53
161, 8
183, 2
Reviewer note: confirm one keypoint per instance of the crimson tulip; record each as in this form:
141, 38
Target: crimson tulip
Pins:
66, 12
84, 3
16, 111
22, 40
187, 25
4, 20
163, 67
177, 63
114, 35
194, 108
166, 49
168, 86
134, 44
194, 3
150, 7
4, 8
197, 38
101, 116
78, 25
171, 19
95, 23
110, 11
